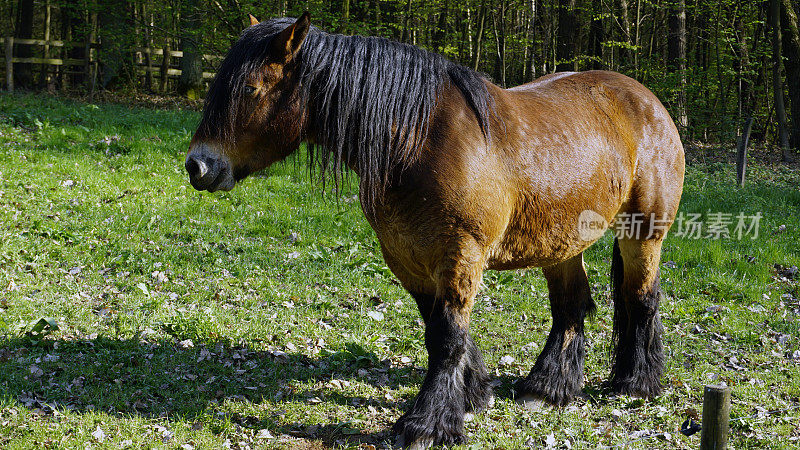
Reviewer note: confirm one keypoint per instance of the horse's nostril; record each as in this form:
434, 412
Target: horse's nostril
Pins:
191, 166
195, 167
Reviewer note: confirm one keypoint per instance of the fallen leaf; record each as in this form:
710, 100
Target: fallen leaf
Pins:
507, 360
98, 434
264, 434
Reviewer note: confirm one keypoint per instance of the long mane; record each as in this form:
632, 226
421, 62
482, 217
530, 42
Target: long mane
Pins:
371, 99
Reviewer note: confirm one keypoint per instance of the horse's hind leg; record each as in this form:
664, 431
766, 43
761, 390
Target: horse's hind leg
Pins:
638, 353
558, 373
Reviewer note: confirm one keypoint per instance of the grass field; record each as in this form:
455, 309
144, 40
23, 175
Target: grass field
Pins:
265, 317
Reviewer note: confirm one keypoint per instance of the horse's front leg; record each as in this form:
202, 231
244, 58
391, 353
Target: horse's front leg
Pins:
457, 381
558, 374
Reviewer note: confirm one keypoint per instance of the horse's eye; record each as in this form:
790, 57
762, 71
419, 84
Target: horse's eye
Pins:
249, 90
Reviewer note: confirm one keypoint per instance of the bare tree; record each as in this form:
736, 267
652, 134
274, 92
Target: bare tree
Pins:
115, 29
791, 46
597, 36
676, 57
742, 66
190, 83
479, 38
625, 31
499, 17
23, 72
777, 81
566, 50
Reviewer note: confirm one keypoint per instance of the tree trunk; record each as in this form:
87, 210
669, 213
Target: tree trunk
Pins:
742, 65
791, 45
566, 53
777, 81
596, 37
345, 25
548, 40
529, 72
500, 41
376, 6
23, 72
625, 38
406, 37
9, 50
468, 32
91, 66
148, 56
677, 58
116, 38
479, 38
44, 74
638, 27
190, 83
440, 32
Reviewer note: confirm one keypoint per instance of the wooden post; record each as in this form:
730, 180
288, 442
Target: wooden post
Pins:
45, 72
165, 66
9, 63
716, 415
91, 68
148, 55
741, 157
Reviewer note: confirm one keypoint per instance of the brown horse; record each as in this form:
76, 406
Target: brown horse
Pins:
457, 176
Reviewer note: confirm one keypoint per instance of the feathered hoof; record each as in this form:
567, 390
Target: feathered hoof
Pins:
641, 387
533, 403
424, 432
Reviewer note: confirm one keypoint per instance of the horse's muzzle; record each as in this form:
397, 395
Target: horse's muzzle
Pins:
208, 171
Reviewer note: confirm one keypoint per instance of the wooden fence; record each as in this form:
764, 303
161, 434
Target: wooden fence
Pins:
149, 62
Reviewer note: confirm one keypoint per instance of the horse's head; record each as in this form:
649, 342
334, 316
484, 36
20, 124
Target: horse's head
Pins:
253, 113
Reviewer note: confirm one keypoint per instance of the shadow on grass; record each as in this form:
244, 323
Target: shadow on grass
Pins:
162, 378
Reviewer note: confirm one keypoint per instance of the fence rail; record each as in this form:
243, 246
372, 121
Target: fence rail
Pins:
146, 66
52, 43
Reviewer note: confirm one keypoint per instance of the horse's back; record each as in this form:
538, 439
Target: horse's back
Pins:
575, 142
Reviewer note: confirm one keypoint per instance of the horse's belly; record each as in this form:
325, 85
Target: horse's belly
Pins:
540, 235
522, 249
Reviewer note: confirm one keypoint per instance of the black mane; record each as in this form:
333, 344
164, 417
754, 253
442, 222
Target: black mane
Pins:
371, 98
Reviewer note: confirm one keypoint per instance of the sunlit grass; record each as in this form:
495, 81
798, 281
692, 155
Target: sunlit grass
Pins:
196, 318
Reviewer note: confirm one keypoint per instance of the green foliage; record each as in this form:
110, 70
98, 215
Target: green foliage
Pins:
728, 49
39, 329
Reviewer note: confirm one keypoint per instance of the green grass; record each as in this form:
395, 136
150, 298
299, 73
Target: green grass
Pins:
251, 317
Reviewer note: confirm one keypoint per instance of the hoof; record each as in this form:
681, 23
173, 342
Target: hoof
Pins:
547, 390
420, 433
484, 406
419, 444
533, 403
643, 387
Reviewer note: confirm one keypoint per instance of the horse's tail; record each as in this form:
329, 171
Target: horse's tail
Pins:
617, 275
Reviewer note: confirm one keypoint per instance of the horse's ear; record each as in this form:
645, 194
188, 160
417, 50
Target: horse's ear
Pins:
291, 39
253, 20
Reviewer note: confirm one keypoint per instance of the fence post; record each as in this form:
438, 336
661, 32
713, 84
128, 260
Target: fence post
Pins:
716, 417
91, 69
10, 63
165, 67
